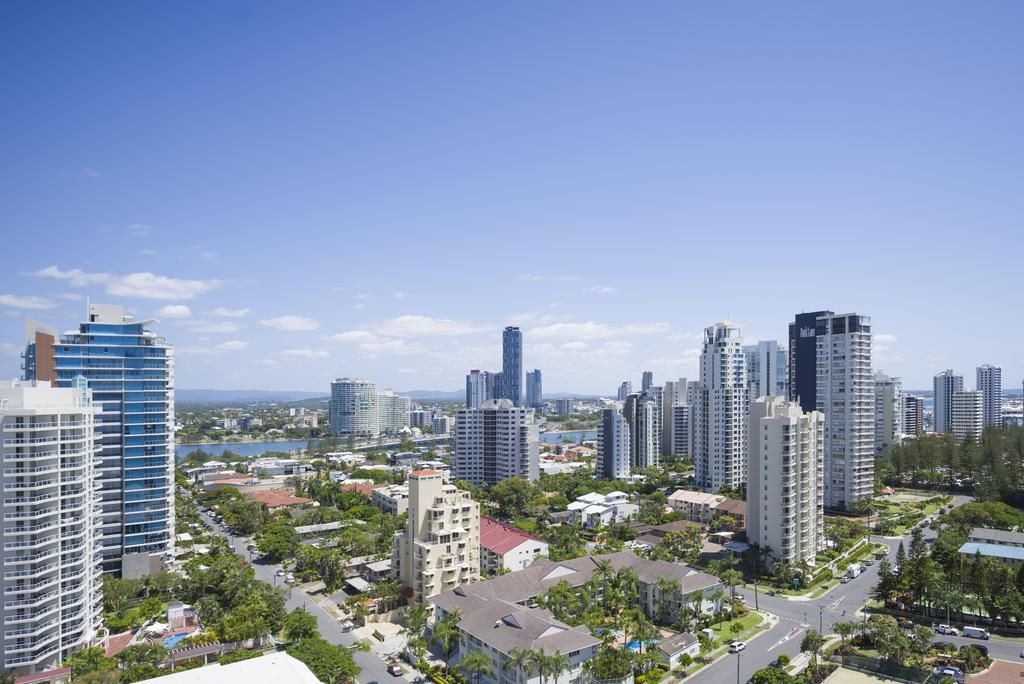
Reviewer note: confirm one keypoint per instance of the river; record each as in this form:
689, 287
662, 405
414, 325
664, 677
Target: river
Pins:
247, 449
575, 436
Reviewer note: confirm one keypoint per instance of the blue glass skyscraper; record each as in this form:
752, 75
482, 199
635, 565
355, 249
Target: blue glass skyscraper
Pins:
512, 365
130, 371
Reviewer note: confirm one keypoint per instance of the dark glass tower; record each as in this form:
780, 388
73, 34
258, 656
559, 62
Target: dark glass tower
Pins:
512, 365
803, 364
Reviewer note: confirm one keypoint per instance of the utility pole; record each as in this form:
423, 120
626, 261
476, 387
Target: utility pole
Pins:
756, 606
738, 653
821, 612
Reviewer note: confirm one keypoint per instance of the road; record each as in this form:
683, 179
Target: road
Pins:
373, 667
840, 604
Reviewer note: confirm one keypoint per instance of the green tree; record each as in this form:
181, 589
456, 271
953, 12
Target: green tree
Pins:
299, 624
331, 664
446, 632
513, 495
812, 643
89, 660
278, 541
476, 664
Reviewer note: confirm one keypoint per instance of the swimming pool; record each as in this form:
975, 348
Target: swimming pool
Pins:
635, 645
170, 641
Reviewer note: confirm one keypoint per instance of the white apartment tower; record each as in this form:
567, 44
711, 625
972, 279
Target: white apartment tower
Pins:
968, 410
767, 370
945, 385
392, 411
846, 396
673, 393
440, 547
642, 414
612, 446
990, 384
888, 412
52, 559
679, 441
785, 491
496, 441
353, 408
719, 411
625, 389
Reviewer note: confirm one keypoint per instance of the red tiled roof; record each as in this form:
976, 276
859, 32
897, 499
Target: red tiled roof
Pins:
499, 538
117, 643
423, 473
364, 488
733, 507
273, 498
50, 675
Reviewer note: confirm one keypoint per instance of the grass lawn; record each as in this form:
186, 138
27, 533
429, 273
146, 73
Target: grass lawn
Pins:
723, 633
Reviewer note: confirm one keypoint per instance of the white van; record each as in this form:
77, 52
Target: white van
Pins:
976, 633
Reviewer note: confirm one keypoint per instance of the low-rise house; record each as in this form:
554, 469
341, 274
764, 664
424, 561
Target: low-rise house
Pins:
737, 510
271, 467
672, 649
364, 487
596, 510
276, 499
391, 499
503, 547
348, 458
378, 571
1002, 545
698, 507
271, 668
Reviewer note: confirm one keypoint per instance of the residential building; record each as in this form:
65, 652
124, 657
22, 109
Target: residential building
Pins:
391, 499
494, 442
767, 370
249, 422
600, 510
913, 415
785, 492
674, 392
51, 544
944, 386
392, 412
130, 370
564, 406
441, 425
642, 416
670, 651
612, 446
440, 547
1006, 547
803, 359
718, 415
353, 408
990, 384
734, 510
504, 548
272, 668
625, 389
679, 439
477, 388
512, 365
534, 389
272, 500
968, 415
888, 412
646, 381
418, 418
846, 397
276, 467
698, 507
493, 383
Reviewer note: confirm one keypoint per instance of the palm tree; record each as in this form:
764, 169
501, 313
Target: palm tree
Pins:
664, 591
446, 631
631, 621
812, 643
521, 660
556, 665
731, 578
844, 629
476, 663
716, 599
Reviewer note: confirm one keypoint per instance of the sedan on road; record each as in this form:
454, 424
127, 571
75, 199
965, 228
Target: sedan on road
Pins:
737, 646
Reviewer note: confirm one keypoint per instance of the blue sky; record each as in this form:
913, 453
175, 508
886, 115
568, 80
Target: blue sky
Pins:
375, 189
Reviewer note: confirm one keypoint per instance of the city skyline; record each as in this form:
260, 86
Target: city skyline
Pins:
303, 266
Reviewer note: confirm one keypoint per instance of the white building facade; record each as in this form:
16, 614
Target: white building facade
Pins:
785, 493
392, 411
719, 411
767, 370
888, 412
612, 446
495, 442
353, 408
944, 386
968, 410
52, 561
990, 384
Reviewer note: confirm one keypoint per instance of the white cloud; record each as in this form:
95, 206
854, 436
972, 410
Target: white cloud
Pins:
424, 326
140, 230
229, 313
360, 295
575, 346
8, 349
267, 362
683, 337
148, 251
17, 302
601, 289
208, 254
305, 353
221, 327
194, 351
352, 336
152, 286
359, 307
592, 330
76, 276
399, 295
91, 173
390, 347
233, 345
174, 311
884, 338
290, 323
72, 296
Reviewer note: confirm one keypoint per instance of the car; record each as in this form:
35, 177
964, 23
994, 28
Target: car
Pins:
946, 629
289, 577
737, 646
869, 562
280, 572
1022, 654
395, 670
773, 593
740, 598
845, 580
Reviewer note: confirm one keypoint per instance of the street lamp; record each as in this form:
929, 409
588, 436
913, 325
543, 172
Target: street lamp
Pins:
738, 653
821, 612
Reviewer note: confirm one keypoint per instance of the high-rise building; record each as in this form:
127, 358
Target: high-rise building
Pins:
719, 412
785, 491
392, 411
803, 359
534, 389
888, 412
646, 381
612, 446
625, 389
944, 386
353, 408
494, 442
913, 415
642, 415
51, 538
564, 406
846, 395
512, 365
477, 390
440, 547
441, 425
990, 384
767, 370
673, 393
130, 370
968, 419
679, 441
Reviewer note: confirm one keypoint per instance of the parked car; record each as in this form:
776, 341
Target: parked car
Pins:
395, 670
869, 562
845, 580
740, 598
737, 646
976, 633
946, 629
280, 572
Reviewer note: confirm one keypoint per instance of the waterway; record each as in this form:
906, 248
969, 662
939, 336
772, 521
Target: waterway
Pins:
247, 449
575, 436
